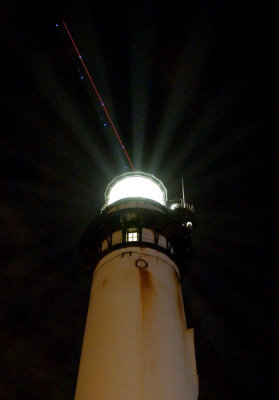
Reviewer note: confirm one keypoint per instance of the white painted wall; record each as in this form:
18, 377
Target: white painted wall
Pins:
136, 346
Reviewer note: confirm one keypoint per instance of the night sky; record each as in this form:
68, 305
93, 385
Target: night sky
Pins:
188, 86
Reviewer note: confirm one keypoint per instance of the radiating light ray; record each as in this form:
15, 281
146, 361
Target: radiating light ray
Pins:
99, 97
61, 101
142, 60
101, 75
139, 105
191, 64
208, 124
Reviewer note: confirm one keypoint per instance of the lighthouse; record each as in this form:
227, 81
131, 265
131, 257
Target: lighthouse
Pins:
136, 343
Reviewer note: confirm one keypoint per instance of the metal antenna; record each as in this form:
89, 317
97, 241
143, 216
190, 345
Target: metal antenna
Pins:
183, 195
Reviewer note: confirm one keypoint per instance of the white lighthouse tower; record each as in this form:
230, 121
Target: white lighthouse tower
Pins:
136, 343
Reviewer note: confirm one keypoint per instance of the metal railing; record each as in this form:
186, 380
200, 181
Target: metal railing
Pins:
179, 203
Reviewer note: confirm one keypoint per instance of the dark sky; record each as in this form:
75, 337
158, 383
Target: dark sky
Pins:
188, 86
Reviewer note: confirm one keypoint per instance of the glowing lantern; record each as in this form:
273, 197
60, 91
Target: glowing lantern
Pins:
136, 184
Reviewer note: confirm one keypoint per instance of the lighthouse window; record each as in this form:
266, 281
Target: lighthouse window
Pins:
132, 235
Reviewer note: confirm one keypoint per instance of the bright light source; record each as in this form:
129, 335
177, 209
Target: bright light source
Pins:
136, 184
132, 236
189, 225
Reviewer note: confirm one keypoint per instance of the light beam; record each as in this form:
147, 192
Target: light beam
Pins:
99, 97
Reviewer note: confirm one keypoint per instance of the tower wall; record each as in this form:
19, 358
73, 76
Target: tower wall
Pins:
136, 343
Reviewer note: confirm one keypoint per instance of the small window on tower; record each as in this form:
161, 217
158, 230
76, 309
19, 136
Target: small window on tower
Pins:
132, 235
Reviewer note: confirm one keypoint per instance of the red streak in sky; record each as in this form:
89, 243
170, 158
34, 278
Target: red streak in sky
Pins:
102, 103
